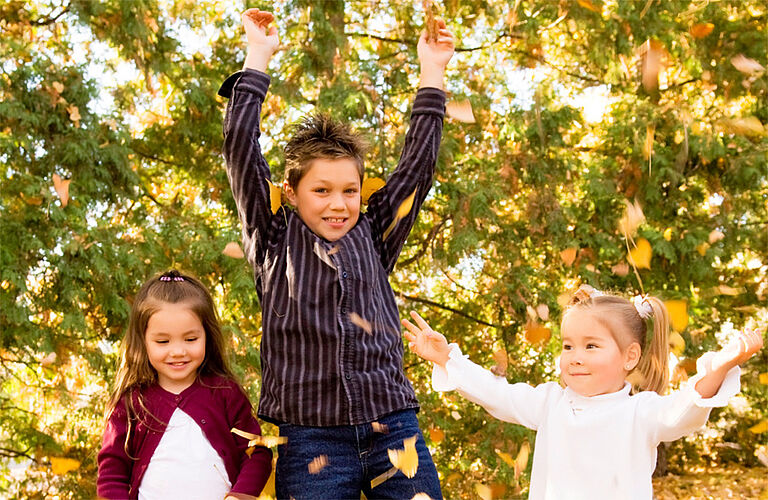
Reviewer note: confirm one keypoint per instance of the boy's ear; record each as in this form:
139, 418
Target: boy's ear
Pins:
289, 193
632, 356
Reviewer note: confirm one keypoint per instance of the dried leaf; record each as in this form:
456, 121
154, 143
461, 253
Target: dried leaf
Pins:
620, 269
74, 114
506, 457
633, 217
569, 255
460, 111
678, 314
727, 290
317, 464
482, 490
380, 428
521, 461
436, 435
403, 210
543, 311
334, 250
406, 460
746, 65
275, 197
652, 54
749, 126
531, 312
63, 465
370, 186
701, 30
587, 4
49, 359
715, 236
258, 440
640, 256
650, 133
535, 333
62, 188
760, 427
232, 249
676, 343
361, 322
430, 22
500, 368
58, 87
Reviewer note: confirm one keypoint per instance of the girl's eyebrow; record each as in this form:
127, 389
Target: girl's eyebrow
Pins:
188, 332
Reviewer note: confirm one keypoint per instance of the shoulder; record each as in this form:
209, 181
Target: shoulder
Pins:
221, 387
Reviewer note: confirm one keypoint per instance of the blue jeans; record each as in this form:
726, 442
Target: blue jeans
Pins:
356, 455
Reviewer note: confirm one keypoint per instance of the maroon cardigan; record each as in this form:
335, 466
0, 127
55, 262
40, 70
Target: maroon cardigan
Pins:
216, 404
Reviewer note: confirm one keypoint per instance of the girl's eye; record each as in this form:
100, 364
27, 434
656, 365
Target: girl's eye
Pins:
161, 341
591, 346
566, 348
191, 339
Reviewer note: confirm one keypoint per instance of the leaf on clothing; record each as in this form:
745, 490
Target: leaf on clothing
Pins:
502, 362
258, 440
363, 323
63, 465
746, 65
678, 314
421, 496
436, 434
569, 255
640, 256
275, 196
383, 477
406, 460
460, 111
370, 186
403, 210
62, 188
700, 30
334, 250
317, 464
232, 249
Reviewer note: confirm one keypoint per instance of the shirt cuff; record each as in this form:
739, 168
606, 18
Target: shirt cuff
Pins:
429, 100
446, 378
249, 80
730, 387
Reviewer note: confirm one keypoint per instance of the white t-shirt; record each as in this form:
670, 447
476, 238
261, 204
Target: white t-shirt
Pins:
184, 465
587, 448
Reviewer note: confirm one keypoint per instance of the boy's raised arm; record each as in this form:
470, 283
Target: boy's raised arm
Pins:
262, 39
434, 56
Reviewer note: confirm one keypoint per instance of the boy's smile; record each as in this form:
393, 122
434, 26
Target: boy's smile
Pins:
327, 197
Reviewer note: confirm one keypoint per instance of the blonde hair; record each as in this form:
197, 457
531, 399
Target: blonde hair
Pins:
621, 317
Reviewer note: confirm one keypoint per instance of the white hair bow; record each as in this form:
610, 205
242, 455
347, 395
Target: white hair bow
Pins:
643, 306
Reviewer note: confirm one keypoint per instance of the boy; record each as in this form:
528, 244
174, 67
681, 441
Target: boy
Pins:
332, 375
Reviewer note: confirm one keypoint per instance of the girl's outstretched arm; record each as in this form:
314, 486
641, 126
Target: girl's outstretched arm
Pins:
735, 353
426, 342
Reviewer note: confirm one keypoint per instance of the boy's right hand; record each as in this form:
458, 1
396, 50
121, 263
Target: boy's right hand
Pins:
262, 39
426, 342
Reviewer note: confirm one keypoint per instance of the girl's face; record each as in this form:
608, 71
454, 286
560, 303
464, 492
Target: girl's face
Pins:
592, 363
175, 342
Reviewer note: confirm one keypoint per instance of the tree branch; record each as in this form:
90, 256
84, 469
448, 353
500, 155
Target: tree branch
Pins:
447, 308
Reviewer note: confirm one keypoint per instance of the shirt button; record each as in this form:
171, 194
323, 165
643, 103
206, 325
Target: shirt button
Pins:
347, 376
177, 398
202, 421
344, 274
343, 310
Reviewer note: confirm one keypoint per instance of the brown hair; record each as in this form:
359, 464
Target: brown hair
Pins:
318, 136
622, 319
135, 371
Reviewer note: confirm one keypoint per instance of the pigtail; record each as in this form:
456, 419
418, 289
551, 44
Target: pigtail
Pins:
653, 367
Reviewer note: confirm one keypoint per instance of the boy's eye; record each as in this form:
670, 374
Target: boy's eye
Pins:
566, 348
320, 190
352, 191
591, 346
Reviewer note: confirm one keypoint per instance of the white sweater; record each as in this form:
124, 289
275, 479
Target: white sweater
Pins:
600, 447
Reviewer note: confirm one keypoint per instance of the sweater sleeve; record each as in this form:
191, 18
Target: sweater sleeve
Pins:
113, 481
254, 470
517, 403
685, 411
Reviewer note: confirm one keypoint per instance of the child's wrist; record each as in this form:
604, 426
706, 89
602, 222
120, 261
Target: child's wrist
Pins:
258, 59
432, 77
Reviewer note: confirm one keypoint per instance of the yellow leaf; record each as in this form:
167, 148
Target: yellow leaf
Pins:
379, 427
749, 126
668, 234
676, 343
678, 314
536, 333
568, 255
650, 133
460, 111
760, 427
587, 4
257, 440
500, 368
361, 322
275, 197
702, 248
421, 496
764, 378
62, 188
406, 460
640, 256
58, 87
506, 457
403, 210
62, 465
233, 250
521, 461
484, 491
370, 186
727, 290
317, 464
701, 30
436, 435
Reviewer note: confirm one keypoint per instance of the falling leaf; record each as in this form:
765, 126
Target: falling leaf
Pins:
749, 126
760, 427
258, 440
587, 4
668, 234
317, 464
500, 368
403, 210
361, 322
370, 186
275, 196
676, 343
484, 491
535, 333
49, 359
521, 461
406, 460
678, 314
421, 496
379, 427
633, 217
543, 311
506, 457
436, 435
569, 255
620, 269
58, 87
727, 290
764, 378
74, 114
640, 256
62, 188
702, 248
650, 133
383, 477
746, 65
232, 249
456, 415
62, 465
652, 54
32, 200
715, 236
460, 111
700, 30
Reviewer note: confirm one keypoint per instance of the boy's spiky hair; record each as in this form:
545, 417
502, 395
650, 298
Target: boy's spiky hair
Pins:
320, 136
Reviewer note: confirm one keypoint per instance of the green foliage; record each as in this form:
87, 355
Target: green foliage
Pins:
119, 97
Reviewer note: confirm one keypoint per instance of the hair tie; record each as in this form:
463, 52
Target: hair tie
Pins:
172, 276
643, 306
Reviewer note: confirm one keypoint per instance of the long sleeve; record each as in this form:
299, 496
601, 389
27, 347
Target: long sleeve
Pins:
247, 169
413, 176
114, 477
255, 470
517, 403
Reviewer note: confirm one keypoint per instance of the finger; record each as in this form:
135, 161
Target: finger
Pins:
410, 326
420, 321
440, 24
409, 337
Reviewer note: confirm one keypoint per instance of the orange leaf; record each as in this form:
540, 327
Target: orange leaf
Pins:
436, 435
62, 188
361, 322
275, 197
460, 111
317, 464
536, 333
506, 457
32, 200
569, 255
403, 210
764, 378
701, 30
715, 236
233, 250
678, 314
640, 256
62, 465
500, 369
370, 186
587, 4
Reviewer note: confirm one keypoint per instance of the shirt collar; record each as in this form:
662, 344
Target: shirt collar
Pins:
579, 402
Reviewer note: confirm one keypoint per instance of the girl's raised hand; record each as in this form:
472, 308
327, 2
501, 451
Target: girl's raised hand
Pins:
740, 349
426, 342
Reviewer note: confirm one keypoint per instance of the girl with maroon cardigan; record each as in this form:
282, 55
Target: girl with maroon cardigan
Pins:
175, 404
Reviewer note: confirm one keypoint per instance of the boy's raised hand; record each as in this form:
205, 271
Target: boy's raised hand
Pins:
426, 342
434, 55
262, 38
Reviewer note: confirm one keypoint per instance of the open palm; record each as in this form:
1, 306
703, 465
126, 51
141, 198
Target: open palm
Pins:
424, 341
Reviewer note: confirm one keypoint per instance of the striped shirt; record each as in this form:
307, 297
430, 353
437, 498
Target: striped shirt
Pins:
331, 348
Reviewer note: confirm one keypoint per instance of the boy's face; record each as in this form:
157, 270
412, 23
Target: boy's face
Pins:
327, 198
